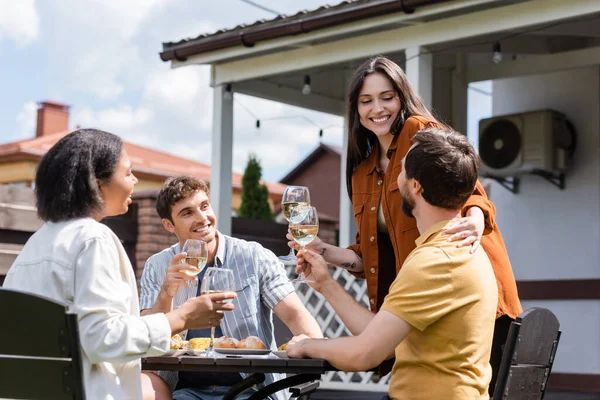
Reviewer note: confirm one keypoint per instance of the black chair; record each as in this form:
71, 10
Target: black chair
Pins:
528, 357
40, 356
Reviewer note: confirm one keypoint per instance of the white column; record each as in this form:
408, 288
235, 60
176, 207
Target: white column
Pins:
222, 157
419, 70
460, 95
347, 234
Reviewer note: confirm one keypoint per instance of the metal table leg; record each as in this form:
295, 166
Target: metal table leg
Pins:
240, 387
283, 384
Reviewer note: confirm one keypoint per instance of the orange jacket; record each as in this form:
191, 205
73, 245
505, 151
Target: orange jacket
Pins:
370, 186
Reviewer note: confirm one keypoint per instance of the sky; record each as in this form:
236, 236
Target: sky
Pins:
101, 58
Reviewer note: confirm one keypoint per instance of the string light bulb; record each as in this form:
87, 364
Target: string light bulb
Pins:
497, 57
228, 95
306, 87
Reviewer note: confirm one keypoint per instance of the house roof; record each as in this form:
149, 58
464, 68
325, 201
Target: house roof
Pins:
320, 150
145, 161
302, 22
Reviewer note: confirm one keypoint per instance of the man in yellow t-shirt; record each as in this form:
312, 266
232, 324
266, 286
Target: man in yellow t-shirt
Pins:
438, 317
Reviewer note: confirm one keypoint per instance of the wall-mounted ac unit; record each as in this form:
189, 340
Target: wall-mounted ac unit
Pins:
535, 141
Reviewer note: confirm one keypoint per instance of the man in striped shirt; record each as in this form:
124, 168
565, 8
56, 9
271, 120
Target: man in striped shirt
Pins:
261, 284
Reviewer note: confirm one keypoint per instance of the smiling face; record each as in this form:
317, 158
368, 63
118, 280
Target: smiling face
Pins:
194, 218
378, 104
116, 192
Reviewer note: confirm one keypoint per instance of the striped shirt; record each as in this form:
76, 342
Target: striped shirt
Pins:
260, 283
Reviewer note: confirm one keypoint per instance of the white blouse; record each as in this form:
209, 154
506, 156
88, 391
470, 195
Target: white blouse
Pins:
82, 263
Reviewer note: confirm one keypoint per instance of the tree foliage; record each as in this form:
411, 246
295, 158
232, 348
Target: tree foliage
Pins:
255, 196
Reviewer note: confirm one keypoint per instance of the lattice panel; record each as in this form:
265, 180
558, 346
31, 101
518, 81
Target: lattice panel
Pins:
333, 326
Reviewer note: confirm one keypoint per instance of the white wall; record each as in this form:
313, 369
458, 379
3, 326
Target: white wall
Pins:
552, 233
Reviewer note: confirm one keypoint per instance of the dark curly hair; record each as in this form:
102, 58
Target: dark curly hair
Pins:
445, 164
175, 189
66, 184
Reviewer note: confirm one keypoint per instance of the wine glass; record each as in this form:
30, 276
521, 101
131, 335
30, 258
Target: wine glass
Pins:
304, 226
292, 197
216, 280
197, 254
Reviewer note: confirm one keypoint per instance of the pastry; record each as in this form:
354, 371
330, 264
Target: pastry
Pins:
251, 342
283, 347
225, 342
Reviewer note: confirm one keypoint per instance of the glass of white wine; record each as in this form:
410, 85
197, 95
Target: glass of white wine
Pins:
292, 197
216, 280
197, 254
304, 226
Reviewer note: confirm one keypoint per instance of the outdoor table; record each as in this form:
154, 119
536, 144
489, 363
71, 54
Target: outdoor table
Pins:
304, 370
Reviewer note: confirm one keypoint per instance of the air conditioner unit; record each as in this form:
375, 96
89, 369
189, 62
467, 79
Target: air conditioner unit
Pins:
511, 145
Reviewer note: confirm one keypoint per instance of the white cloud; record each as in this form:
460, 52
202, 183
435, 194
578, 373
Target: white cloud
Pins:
117, 120
19, 21
26, 121
106, 52
98, 43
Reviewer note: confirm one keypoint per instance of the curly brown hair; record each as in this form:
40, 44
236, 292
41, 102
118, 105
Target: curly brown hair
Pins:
66, 179
176, 189
445, 164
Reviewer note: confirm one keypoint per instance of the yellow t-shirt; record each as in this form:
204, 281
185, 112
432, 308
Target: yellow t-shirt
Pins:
449, 296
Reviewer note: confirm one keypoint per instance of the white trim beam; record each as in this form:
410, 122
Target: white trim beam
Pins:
296, 41
222, 158
347, 225
460, 95
534, 65
419, 71
511, 17
271, 91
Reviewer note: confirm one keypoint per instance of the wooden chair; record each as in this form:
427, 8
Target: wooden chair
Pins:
528, 356
40, 356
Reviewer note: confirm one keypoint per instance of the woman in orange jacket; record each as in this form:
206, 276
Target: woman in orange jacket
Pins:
384, 113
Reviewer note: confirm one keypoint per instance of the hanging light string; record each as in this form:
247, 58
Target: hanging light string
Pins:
497, 41
245, 108
496, 48
321, 70
481, 91
310, 121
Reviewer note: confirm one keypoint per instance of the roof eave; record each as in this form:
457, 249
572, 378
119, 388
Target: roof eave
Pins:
248, 38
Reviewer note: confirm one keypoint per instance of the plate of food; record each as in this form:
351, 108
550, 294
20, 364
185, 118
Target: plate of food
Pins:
176, 352
243, 352
197, 346
250, 346
280, 353
176, 346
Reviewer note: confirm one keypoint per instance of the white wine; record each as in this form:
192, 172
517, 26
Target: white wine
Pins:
288, 207
198, 262
304, 234
216, 291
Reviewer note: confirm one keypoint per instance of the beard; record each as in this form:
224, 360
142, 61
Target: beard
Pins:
408, 205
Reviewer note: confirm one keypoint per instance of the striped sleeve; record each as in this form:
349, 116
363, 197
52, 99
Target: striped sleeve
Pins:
151, 282
273, 280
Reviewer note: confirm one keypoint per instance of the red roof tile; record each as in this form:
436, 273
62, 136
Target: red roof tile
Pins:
144, 160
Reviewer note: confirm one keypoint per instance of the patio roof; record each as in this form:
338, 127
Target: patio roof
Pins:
302, 22
443, 46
